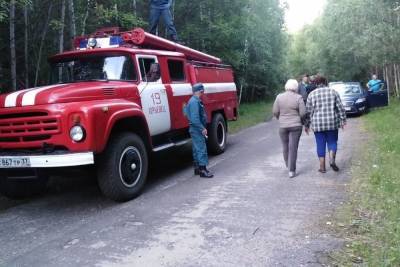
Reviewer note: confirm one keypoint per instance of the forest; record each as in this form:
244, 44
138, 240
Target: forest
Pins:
351, 40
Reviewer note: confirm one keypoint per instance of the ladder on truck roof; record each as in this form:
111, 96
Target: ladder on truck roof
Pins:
140, 38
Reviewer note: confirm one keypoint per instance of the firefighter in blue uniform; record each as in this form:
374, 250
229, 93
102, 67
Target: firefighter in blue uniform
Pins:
195, 112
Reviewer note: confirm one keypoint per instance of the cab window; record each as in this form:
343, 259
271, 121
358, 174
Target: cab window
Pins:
149, 69
176, 70
92, 67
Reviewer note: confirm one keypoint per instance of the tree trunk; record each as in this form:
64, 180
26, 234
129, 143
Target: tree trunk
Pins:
85, 17
46, 26
13, 63
62, 23
72, 24
396, 79
201, 10
386, 79
134, 6
240, 94
26, 46
61, 36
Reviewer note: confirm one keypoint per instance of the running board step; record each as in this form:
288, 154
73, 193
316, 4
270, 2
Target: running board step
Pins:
169, 145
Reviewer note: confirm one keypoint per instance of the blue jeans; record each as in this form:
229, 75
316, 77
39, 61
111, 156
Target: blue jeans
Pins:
155, 15
326, 138
199, 147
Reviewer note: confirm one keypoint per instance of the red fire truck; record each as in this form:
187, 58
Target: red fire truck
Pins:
111, 101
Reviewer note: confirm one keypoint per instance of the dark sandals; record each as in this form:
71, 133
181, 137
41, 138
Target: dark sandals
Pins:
334, 167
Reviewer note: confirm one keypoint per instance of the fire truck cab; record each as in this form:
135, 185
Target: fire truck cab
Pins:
113, 100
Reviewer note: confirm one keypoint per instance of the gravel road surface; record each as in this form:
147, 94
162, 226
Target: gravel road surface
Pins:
249, 214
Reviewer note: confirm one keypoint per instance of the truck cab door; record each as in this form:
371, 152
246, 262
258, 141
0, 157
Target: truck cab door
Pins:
378, 99
153, 95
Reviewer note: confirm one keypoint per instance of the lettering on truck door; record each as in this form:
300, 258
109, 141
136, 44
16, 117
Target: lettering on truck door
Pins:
153, 95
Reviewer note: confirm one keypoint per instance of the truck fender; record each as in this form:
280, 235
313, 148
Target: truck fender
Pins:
121, 120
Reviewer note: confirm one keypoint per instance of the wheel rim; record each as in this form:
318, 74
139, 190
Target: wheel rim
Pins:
221, 134
130, 166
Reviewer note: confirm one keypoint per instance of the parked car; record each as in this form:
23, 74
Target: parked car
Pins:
356, 99
353, 96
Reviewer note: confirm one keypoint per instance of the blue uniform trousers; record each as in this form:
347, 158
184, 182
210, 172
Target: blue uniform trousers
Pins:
199, 147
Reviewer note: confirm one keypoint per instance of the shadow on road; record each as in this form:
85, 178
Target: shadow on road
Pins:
81, 185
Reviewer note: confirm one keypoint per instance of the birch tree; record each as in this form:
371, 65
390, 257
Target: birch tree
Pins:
26, 48
13, 62
72, 23
44, 32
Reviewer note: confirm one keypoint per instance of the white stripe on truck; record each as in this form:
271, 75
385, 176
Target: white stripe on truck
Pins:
29, 98
210, 88
11, 99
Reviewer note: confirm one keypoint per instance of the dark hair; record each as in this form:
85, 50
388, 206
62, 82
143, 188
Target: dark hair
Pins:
321, 81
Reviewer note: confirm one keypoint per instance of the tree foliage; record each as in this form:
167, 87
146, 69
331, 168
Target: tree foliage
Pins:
248, 34
351, 40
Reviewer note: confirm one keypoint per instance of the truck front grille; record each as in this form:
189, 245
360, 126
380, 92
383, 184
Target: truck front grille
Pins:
28, 127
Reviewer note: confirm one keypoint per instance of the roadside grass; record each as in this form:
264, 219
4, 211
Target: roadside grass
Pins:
251, 114
370, 222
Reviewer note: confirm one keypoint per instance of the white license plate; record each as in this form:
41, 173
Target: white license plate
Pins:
15, 162
347, 108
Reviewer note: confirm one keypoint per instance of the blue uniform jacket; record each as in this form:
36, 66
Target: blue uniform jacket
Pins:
196, 114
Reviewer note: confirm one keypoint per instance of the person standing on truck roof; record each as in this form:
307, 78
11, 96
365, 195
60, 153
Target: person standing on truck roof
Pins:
196, 114
161, 8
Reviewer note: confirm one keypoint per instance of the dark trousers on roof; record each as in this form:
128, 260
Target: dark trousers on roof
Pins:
155, 15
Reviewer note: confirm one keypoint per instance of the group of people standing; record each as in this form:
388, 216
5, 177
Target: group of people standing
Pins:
314, 106
310, 104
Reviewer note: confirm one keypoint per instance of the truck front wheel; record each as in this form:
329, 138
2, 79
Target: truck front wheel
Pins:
122, 168
217, 134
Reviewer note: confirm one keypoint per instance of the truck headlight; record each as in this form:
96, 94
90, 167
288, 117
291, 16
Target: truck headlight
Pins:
77, 133
360, 100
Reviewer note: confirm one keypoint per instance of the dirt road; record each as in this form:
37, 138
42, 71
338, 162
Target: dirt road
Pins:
250, 214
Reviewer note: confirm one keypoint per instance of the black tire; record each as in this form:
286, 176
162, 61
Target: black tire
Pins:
122, 167
20, 188
217, 134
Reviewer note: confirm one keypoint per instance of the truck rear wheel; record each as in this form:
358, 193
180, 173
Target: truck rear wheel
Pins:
217, 134
122, 168
19, 187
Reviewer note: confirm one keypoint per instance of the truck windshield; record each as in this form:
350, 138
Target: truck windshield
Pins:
93, 67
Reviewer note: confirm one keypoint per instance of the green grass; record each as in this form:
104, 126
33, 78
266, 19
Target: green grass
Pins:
251, 114
371, 221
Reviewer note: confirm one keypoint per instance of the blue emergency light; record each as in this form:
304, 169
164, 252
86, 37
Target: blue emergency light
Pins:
113, 42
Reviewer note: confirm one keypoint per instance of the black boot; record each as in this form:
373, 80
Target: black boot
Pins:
204, 173
196, 168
